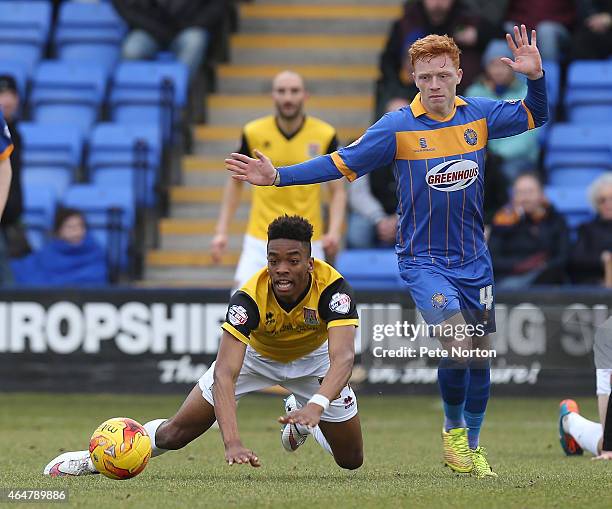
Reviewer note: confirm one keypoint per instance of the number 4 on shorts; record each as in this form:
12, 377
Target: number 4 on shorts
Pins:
486, 296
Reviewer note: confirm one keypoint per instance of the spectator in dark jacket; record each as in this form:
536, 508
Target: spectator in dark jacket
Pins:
373, 204
182, 26
593, 37
593, 248
71, 258
9, 102
423, 17
529, 239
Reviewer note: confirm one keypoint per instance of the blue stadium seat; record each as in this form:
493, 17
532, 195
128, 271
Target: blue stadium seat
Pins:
572, 203
130, 154
52, 177
19, 72
87, 31
110, 215
68, 93
149, 92
39, 204
370, 269
574, 177
553, 82
588, 98
585, 146
25, 29
51, 146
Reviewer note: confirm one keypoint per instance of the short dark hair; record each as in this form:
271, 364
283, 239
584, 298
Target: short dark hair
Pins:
8, 83
292, 228
63, 213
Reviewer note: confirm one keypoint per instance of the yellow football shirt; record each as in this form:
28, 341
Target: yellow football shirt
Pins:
314, 138
284, 334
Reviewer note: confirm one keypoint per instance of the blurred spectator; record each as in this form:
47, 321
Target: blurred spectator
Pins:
181, 26
529, 239
373, 203
423, 17
593, 37
72, 258
594, 246
553, 20
519, 153
495, 187
12, 236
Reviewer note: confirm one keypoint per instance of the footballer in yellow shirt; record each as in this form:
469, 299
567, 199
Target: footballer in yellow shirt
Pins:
293, 324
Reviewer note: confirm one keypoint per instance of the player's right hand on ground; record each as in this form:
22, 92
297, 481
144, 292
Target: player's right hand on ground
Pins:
259, 172
237, 453
218, 246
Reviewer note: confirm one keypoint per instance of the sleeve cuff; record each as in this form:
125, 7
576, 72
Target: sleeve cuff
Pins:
7, 152
342, 167
341, 323
235, 332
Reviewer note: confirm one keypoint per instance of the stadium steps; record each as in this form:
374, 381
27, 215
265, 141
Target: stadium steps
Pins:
335, 45
239, 110
329, 19
291, 49
320, 79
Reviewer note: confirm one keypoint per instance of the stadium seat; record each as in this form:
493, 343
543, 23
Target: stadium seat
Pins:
52, 177
571, 202
68, 93
51, 146
110, 215
588, 98
584, 146
25, 29
39, 202
574, 177
126, 154
370, 269
87, 31
149, 92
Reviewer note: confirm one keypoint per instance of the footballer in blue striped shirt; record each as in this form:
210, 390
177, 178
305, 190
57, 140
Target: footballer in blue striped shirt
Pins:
437, 149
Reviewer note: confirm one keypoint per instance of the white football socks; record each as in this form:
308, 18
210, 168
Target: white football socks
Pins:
586, 433
319, 437
151, 428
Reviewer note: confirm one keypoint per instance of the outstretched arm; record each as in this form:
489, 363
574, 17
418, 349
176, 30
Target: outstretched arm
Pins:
5, 182
227, 368
341, 358
376, 148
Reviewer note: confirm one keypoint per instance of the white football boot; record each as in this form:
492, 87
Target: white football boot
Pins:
293, 435
70, 463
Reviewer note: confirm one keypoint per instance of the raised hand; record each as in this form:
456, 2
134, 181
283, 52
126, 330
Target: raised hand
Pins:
527, 59
259, 172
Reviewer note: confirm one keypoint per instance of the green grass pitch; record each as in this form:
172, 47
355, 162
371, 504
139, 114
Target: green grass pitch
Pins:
402, 458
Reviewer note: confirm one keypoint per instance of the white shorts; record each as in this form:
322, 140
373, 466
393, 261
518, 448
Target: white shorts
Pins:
604, 380
302, 377
254, 257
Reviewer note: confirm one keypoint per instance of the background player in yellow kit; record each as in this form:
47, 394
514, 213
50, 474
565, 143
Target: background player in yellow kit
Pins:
288, 137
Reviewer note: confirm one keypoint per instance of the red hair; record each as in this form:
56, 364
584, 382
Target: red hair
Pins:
433, 46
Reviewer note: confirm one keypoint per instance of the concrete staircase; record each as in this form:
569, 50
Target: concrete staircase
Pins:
335, 45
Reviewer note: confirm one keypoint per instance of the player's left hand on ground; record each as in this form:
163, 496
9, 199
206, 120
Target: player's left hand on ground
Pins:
603, 455
527, 59
308, 415
259, 172
331, 244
